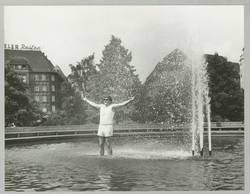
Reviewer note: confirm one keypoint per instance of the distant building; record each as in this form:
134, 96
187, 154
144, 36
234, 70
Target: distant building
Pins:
42, 77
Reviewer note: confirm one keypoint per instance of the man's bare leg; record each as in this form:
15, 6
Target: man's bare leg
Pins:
108, 143
101, 145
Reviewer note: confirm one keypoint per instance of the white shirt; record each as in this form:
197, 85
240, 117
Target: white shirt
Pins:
106, 112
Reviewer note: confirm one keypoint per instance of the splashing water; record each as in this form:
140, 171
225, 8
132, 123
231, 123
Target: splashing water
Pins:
199, 107
200, 100
200, 89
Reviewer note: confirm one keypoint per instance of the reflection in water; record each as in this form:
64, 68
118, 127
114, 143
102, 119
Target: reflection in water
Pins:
120, 176
139, 164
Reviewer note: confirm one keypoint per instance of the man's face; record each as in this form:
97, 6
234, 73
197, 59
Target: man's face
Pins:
106, 101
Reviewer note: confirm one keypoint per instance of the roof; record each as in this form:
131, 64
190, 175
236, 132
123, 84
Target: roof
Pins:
36, 59
19, 60
59, 71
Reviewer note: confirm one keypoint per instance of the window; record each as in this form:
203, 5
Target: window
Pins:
44, 88
43, 77
53, 77
36, 88
53, 88
44, 109
44, 98
37, 98
53, 98
53, 108
24, 78
36, 77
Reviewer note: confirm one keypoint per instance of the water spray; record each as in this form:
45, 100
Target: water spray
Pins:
193, 109
208, 124
200, 100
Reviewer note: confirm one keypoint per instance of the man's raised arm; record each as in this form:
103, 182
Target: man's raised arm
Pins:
90, 102
123, 103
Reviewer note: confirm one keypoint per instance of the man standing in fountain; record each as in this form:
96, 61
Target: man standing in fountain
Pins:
105, 130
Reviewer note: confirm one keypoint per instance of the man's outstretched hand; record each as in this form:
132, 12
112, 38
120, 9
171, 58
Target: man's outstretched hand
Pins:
132, 98
83, 96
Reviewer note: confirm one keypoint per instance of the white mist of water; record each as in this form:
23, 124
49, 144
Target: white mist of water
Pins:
200, 106
200, 92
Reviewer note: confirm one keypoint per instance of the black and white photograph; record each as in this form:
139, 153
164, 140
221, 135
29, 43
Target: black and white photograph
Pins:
124, 98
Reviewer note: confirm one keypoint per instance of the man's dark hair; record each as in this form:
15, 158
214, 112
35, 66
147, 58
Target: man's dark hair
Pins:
109, 98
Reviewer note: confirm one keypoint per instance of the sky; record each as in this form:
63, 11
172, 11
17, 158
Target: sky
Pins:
67, 34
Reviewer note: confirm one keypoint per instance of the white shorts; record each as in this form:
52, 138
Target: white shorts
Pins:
105, 130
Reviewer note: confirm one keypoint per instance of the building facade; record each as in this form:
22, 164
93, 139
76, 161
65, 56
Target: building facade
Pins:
36, 70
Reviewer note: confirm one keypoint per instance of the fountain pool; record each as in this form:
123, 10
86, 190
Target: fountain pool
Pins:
138, 164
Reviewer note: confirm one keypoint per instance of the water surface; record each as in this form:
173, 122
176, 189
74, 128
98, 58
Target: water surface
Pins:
138, 164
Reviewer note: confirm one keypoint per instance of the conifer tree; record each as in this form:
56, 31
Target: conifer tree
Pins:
116, 76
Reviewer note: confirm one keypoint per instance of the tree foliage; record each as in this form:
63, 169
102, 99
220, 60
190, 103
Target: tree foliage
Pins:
227, 98
116, 77
82, 72
73, 109
19, 106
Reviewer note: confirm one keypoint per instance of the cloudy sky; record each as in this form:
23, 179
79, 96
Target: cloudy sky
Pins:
69, 33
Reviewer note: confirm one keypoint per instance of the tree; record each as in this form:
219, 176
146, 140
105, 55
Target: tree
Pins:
19, 106
73, 108
141, 112
81, 73
116, 76
81, 79
227, 98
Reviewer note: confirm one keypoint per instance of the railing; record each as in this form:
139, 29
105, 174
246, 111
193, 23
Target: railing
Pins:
225, 128
214, 125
